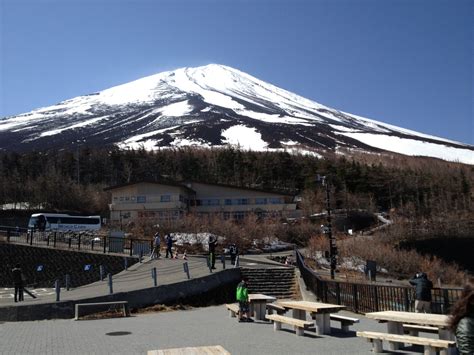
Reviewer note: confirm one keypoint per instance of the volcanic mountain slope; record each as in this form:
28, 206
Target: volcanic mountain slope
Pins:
213, 105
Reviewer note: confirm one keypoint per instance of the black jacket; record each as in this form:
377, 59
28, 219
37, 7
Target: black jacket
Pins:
17, 277
465, 335
423, 288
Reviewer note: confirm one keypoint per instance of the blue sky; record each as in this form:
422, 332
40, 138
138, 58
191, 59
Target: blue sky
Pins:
403, 62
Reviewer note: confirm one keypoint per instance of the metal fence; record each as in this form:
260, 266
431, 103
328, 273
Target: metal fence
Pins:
80, 241
369, 297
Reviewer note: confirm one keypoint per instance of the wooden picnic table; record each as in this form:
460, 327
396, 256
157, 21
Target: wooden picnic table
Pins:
396, 319
320, 311
258, 304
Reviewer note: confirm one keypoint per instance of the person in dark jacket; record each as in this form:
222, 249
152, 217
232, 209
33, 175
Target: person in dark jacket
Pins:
212, 251
423, 288
17, 276
169, 246
461, 321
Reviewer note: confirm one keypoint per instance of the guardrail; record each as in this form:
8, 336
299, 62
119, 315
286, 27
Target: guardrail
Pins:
80, 241
369, 297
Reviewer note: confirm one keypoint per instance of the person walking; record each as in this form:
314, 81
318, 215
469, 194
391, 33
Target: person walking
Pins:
423, 288
155, 254
212, 251
17, 276
242, 296
461, 320
169, 244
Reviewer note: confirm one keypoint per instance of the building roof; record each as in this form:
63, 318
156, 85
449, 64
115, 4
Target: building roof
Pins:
183, 184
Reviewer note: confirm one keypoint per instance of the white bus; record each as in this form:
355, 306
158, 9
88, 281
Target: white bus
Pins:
59, 222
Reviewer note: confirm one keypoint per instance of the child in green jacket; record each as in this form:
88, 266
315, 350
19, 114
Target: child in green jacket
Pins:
242, 296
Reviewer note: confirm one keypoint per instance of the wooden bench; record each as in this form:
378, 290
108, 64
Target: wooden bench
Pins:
299, 324
123, 304
271, 307
199, 350
233, 309
430, 345
346, 322
413, 329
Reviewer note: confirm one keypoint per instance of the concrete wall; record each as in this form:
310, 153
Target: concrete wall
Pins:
217, 288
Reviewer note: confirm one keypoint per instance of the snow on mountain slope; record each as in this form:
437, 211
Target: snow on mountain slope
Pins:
213, 105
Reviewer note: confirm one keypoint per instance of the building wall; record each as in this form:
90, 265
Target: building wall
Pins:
147, 200
161, 201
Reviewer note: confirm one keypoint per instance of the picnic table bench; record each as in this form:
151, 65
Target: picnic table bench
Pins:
299, 324
271, 307
346, 322
233, 309
414, 329
123, 304
199, 350
430, 345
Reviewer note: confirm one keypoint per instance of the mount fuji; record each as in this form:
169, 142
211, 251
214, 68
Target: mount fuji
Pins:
212, 106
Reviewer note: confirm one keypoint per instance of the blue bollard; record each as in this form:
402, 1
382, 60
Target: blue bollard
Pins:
125, 262
101, 271
223, 261
57, 289
153, 275
186, 269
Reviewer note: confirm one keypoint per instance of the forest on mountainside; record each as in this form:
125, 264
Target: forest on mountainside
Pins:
74, 181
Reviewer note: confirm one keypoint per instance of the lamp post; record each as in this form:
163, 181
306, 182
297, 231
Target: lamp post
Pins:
328, 230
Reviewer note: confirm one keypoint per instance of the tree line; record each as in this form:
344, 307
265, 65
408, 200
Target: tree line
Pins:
74, 180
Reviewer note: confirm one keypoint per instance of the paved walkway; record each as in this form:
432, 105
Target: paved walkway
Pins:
138, 276
196, 327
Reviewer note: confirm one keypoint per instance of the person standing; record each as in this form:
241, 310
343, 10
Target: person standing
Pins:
155, 254
233, 251
242, 296
18, 282
461, 321
169, 245
423, 288
212, 251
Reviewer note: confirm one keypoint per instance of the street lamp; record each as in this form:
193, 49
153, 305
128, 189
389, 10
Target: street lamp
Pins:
328, 230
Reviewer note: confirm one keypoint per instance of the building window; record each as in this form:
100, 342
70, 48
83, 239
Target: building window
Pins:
209, 202
141, 199
276, 200
165, 198
236, 201
260, 201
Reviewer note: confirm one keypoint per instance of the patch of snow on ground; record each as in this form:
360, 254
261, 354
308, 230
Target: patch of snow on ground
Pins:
245, 137
275, 118
177, 109
413, 147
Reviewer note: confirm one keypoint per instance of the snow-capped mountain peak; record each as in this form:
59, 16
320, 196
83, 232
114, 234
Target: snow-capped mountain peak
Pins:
212, 105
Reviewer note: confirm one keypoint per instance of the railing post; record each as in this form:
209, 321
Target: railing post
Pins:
54, 240
105, 244
131, 247
92, 244
376, 298
47, 240
356, 300
69, 243
79, 243
407, 301
31, 239
338, 293
445, 301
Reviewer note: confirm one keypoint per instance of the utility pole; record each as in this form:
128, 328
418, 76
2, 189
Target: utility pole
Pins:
328, 229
